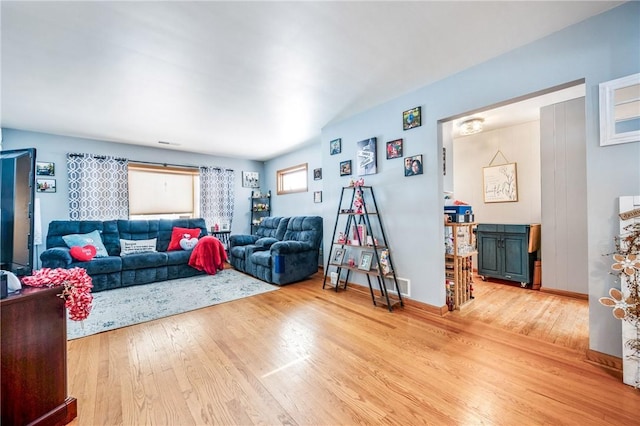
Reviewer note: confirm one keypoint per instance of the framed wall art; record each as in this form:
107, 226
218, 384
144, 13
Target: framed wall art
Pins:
317, 174
394, 149
45, 169
366, 157
317, 197
335, 146
413, 165
250, 179
45, 185
500, 183
345, 168
412, 118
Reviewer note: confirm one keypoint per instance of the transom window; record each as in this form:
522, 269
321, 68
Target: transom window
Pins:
292, 179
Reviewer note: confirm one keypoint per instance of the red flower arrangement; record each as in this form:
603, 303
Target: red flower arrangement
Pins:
76, 291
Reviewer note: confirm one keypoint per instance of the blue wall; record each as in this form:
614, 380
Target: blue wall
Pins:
602, 48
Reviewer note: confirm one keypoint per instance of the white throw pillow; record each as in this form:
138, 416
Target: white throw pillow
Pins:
137, 246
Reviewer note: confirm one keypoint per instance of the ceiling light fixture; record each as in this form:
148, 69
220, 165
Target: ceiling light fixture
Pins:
471, 126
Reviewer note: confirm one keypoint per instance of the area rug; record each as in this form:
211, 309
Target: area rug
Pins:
133, 305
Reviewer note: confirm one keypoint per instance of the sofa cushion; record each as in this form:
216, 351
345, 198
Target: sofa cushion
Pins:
266, 242
128, 247
178, 257
100, 265
261, 258
93, 238
178, 234
144, 260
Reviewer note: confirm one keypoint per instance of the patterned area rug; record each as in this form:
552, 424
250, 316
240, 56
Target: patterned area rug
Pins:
132, 305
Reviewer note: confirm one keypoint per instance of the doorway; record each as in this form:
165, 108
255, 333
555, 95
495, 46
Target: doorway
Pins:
530, 131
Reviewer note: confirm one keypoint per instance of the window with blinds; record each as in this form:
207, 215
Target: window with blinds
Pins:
163, 191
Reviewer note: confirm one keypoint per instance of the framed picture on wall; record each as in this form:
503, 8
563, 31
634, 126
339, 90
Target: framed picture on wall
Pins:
317, 174
413, 165
412, 118
317, 197
394, 149
345, 168
45, 185
335, 146
500, 183
367, 157
250, 179
45, 169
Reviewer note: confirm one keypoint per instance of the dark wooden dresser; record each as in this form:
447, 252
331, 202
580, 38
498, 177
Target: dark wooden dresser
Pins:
34, 359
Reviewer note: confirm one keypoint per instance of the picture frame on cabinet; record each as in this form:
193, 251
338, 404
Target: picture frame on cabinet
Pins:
394, 149
345, 168
335, 146
365, 261
338, 256
412, 118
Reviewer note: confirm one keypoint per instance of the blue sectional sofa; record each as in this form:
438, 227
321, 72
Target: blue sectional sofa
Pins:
282, 251
114, 270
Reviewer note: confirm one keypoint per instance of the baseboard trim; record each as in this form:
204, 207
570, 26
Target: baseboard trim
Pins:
408, 302
565, 293
610, 362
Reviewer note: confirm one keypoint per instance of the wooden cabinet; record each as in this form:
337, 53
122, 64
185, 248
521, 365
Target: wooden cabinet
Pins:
460, 247
260, 208
503, 252
34, 359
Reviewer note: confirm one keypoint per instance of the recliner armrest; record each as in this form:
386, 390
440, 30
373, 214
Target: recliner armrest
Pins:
242, 240
56, 257
290, 247
266, 242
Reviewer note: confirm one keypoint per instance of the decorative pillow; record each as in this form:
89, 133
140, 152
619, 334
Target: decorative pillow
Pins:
137, 246
83, 254
179, 233
90, 239
188, 243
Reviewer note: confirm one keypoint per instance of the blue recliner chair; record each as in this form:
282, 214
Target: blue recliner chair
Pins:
285, 250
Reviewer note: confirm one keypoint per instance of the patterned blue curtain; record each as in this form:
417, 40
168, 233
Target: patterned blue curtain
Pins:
98, 187
216, 195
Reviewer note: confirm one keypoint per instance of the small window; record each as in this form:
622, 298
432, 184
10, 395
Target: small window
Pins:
293, 179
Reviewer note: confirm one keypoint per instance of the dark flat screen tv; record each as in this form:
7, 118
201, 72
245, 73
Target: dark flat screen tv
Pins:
17, 197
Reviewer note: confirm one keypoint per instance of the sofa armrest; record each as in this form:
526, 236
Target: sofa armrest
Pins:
290, 247
56, 257
242, 240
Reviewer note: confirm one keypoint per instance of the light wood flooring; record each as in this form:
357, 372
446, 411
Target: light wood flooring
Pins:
306, 356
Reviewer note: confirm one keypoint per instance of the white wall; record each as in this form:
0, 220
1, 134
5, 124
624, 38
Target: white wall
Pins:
520, 144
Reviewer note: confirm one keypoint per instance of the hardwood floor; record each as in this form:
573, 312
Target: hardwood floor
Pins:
302, 355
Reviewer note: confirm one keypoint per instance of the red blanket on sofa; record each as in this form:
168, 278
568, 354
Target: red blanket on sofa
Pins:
208, 255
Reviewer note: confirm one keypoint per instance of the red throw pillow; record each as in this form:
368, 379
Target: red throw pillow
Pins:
178, 233
83, 254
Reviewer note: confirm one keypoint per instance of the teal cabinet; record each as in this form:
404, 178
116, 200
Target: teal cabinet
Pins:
503, 252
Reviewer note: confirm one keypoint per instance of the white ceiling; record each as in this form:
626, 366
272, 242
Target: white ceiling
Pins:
242, 79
